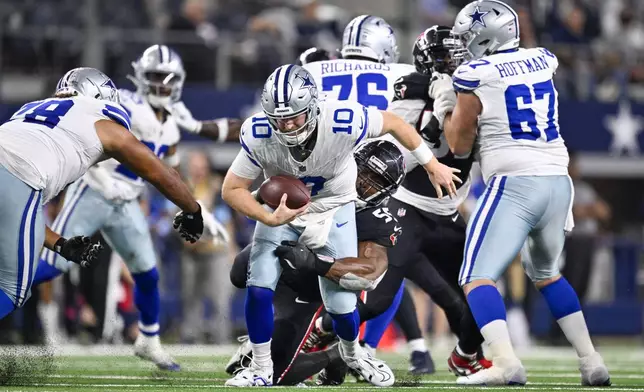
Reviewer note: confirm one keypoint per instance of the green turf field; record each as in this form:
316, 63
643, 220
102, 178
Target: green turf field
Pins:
108, 369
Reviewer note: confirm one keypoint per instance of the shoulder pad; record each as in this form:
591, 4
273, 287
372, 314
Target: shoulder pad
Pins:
412, 86
469, 76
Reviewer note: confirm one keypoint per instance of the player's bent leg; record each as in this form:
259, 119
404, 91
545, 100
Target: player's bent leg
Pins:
341, 304
420, 360
377, 326
264, 272
23, 234
129, 235
545, 246
500, 224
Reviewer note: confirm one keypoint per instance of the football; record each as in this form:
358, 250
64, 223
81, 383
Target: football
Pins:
272, 190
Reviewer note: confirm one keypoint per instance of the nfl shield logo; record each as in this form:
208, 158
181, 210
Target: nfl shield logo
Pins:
402, 212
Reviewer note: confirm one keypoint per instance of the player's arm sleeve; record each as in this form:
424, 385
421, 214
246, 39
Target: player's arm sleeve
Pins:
246, 164
409, 110
117, 113
371, 124
468, 77
551, 58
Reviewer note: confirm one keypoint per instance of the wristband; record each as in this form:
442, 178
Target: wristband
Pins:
222, 125
58, 246
323, 264
422, 154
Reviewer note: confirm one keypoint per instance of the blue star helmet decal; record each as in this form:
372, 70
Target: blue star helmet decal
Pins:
307, 82
109, 83
477, 17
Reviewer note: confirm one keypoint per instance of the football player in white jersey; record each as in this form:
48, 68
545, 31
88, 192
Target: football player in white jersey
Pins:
368, 68
49, 144
106, 198
300, 136
506, 112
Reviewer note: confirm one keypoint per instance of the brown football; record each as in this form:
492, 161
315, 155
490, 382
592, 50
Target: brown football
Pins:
272, 190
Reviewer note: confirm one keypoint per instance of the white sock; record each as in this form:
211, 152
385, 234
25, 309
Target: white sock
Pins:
497, 336
262, 354
350, 348
417, 345
48, 313
576, 331
369, 349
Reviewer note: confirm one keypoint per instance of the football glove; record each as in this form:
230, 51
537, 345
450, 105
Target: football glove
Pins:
214, 227
296, 256
183, 117
442, 92
189, 225
80, 250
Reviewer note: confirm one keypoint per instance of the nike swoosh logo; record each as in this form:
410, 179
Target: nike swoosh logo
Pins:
454, 218
338, 225
299, 301
462, 71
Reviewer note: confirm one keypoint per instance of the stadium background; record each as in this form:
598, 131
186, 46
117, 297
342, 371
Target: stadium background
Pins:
229, 47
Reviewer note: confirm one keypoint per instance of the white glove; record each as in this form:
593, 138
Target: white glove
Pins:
213, 227
442, 92
183, 117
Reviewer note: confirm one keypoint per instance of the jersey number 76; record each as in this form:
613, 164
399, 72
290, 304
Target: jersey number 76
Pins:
362, 83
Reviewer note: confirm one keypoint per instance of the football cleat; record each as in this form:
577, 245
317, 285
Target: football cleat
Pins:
420, 362
461, 365
512, 374
373, 370
252, 376
149, 348
593, 371
317, 340
242, 357
336, 371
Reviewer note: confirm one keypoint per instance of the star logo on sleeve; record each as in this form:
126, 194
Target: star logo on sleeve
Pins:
477, 17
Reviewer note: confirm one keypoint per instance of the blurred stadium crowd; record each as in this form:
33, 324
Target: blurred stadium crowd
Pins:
600, 44
224, 43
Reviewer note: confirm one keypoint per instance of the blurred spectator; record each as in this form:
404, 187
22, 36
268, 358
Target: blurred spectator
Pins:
589, 212
205, 267
198, 57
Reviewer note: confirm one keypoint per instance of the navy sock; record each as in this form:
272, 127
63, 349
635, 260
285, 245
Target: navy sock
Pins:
561, 298
146, 298
44, 273
6, 305
486, 304
377, 326
346, 326
259, 313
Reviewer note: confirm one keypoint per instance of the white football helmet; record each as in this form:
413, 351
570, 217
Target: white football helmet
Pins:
370, 37
159, 75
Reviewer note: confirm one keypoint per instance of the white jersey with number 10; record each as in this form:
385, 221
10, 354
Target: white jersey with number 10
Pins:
366, 82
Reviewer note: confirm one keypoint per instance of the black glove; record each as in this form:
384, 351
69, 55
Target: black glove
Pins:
189, 225
432, 133
296, 256
80, 250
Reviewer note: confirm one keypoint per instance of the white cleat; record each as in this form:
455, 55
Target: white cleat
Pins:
252, 376
510, 375
241, 358
373, 370
149, 348
593, 371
